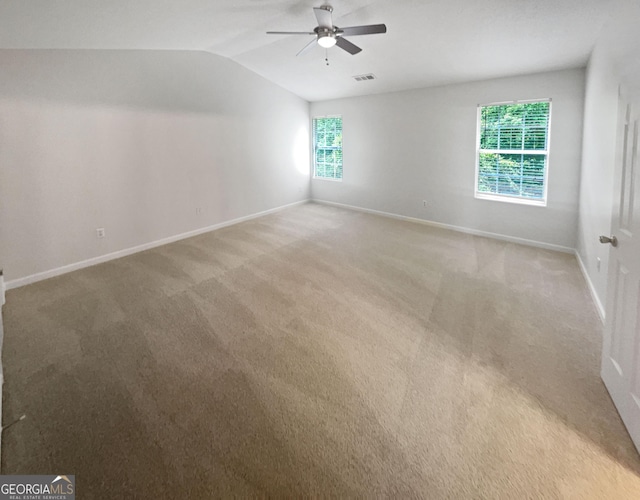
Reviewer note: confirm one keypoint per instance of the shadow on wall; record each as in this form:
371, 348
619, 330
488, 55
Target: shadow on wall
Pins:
161, 80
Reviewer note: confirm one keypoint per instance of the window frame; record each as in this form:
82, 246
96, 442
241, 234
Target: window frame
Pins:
521, 200
313, 146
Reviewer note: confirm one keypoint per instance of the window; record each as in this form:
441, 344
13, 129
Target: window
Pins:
327, 148
513, 150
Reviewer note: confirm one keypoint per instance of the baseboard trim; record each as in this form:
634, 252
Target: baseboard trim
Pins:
33, 278
460, 229
592, 289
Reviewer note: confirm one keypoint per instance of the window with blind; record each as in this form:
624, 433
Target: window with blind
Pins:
513, 150
327, 148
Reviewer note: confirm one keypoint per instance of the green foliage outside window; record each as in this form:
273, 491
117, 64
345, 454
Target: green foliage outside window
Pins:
513, 149
327, 145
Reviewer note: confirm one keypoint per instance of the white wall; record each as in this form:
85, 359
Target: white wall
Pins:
135, 141
598, 160
405, 147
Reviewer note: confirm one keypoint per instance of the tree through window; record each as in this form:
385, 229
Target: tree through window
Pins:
513, 149
327, 147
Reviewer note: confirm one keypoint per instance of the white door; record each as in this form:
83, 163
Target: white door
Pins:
621, 349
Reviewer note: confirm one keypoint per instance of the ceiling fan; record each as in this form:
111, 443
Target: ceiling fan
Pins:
327, 35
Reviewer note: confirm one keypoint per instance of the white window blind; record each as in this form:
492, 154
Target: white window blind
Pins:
513, 149
327, 147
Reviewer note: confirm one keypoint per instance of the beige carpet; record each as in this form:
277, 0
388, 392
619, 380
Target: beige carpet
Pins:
316, 351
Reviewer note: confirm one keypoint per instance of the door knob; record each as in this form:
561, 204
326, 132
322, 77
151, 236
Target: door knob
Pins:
613, 240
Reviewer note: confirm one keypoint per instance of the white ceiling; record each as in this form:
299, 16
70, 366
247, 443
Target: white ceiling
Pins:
427, 43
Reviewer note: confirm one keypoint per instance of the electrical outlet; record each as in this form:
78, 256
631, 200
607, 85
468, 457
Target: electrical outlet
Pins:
100, 232
198, 210
425, 203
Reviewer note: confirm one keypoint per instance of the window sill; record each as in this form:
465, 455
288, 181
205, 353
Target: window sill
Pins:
511, 199
326, 179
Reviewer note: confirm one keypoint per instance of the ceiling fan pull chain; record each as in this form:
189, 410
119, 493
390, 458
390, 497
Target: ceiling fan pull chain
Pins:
326, 56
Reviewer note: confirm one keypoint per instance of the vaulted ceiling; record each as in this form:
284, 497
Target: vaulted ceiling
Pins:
428, 42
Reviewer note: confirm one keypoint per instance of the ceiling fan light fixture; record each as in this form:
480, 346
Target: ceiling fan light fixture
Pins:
326, 40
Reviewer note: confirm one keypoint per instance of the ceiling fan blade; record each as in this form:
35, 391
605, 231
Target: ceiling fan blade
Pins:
323, 16
345, 44
307, 47
290, 33
369, 29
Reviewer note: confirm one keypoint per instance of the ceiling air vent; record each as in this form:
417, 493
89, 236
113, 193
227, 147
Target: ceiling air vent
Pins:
362, 78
